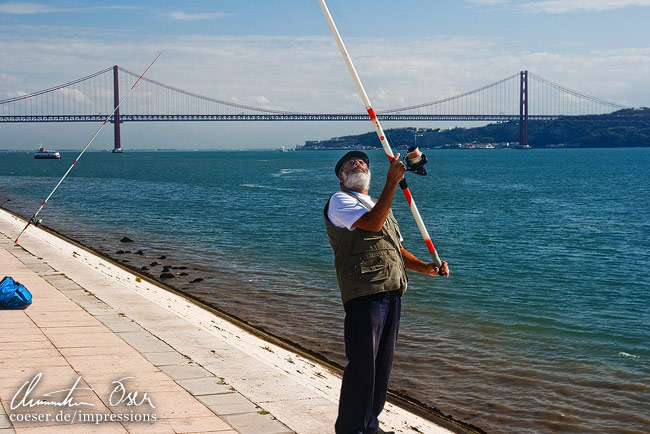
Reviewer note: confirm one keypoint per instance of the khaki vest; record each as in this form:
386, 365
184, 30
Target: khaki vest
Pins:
367, 262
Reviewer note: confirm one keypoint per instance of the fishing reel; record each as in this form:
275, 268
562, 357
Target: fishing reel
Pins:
415, 161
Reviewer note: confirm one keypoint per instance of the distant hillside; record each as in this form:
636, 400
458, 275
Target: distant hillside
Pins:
624, 128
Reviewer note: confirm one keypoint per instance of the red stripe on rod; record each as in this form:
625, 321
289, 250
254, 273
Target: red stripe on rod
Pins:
145, 71
372, 114
429, 244
24, 229
407, 195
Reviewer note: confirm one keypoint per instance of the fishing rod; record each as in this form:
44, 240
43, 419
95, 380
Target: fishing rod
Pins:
415, 160
33, 219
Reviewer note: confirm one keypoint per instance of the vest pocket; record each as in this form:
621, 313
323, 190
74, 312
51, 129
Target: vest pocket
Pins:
372, 267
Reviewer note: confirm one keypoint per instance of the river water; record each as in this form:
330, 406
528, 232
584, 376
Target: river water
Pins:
543, 325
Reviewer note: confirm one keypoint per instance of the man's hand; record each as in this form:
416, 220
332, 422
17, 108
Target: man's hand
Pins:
395, 171
414, 264
374, 219
431, 270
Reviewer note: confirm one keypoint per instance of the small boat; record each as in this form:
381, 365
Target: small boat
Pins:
49, 154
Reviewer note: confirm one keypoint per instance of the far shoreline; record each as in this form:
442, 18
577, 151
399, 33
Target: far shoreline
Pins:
303, 149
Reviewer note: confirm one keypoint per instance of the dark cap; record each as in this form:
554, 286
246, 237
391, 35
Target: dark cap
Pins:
352, 155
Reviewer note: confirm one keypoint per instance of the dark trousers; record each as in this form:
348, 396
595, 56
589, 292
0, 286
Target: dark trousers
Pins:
371, 326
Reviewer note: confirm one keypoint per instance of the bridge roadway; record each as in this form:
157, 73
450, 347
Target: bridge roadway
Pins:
307, 117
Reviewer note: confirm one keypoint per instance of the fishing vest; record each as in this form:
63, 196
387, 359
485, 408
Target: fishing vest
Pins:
367, 262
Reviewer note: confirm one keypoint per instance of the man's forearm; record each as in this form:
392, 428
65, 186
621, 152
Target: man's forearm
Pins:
412, 263
374, 219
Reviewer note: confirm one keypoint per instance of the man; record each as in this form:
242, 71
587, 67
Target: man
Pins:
370, 266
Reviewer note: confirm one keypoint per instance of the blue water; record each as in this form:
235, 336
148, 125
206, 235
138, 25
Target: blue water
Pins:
543, 325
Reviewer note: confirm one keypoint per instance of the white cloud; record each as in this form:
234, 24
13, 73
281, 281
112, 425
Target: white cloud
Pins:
16, 93
4, 77
76, 95
489, 2
18, 8
568, 6
563, 6
263, 102
184, 16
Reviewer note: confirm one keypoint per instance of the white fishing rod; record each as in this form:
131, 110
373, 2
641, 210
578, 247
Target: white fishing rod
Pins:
382, 136
33, 219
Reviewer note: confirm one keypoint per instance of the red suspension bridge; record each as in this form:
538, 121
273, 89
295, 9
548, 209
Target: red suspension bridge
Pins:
520, 97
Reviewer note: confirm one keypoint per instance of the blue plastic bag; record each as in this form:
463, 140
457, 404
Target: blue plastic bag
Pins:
13, 295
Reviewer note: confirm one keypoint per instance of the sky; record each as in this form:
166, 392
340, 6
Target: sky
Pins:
280, 54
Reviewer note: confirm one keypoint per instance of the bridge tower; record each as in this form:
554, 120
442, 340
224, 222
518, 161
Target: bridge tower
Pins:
523, 108
116, 117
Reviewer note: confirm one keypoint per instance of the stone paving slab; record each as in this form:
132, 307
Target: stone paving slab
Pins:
144, 342
205, 386
265, 423
228, 403
4, 421
166, 358
185, 372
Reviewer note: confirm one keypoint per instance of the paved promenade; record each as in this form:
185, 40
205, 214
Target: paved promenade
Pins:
126, 355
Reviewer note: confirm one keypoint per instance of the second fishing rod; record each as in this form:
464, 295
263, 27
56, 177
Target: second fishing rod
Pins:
33, 220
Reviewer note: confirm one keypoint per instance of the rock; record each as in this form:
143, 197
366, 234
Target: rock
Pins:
120, 252
139, 252
182, 267
165, 269
197, 280
125, 260
162, 257
183, 274
153, 264
126, 240
144, 268
166, 276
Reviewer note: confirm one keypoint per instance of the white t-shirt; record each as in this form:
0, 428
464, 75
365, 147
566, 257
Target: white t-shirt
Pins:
345, 210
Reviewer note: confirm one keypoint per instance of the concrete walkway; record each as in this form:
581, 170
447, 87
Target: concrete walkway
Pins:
149, 360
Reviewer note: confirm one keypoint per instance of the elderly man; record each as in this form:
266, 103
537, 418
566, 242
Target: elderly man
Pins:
371, 265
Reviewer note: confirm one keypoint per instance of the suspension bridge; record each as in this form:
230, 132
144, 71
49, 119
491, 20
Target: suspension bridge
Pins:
521, 97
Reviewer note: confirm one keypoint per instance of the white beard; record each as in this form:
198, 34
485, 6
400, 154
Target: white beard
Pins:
356, 181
